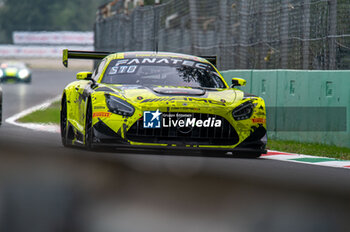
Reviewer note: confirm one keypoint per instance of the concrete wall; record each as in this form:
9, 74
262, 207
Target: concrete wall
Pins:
308, 106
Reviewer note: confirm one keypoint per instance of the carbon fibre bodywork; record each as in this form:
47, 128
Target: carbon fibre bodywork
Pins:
85, 102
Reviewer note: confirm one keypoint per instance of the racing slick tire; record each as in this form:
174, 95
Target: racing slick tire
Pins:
63, 121
89, 132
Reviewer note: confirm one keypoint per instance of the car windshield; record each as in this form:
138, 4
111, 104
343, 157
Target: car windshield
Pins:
162, 71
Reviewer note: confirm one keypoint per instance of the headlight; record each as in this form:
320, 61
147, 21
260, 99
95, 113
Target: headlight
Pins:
119, 106
243, 111
1, 73
23, 73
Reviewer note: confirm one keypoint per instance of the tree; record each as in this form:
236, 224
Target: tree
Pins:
46, 15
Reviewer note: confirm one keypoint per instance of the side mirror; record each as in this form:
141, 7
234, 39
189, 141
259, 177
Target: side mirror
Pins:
238, 82
84, 75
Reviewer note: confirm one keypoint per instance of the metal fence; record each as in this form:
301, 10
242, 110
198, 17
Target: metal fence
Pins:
243, 34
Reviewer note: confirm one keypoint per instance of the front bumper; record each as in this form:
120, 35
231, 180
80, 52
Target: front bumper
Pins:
9, 79
106, 137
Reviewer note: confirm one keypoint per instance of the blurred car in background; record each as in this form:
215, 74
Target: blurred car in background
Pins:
14, 71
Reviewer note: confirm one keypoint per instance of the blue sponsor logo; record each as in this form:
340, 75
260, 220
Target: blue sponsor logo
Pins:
152, 119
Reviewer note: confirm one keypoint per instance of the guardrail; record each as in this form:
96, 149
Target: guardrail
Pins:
307, 106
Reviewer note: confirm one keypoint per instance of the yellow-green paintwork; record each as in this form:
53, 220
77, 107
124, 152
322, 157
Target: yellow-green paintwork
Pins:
240, 81
83, 75
222, 102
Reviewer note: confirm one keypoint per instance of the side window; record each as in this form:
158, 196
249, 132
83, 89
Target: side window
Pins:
99, 69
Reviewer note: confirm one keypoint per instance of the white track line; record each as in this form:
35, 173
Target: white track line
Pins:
292, 157
35, 126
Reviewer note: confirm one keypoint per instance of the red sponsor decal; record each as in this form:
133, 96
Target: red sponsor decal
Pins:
258, 120
101, 114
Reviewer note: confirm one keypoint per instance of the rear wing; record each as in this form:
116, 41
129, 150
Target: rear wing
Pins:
68, 54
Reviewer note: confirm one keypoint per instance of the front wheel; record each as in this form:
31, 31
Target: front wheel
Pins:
89, 133
63, 121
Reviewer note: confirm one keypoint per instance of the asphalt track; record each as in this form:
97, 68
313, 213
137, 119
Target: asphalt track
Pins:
46, 187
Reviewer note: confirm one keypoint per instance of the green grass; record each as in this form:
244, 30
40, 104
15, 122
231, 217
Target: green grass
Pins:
48, 115
310, 149
52, 115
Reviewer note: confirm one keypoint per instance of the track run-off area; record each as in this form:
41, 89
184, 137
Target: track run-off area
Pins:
154, 191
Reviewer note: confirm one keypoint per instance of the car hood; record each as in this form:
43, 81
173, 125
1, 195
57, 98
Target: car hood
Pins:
162, 95
11, 71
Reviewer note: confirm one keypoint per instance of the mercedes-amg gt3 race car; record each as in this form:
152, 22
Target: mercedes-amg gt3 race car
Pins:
160, 100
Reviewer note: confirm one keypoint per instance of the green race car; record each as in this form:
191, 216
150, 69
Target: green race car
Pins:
15, 71
160, 100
